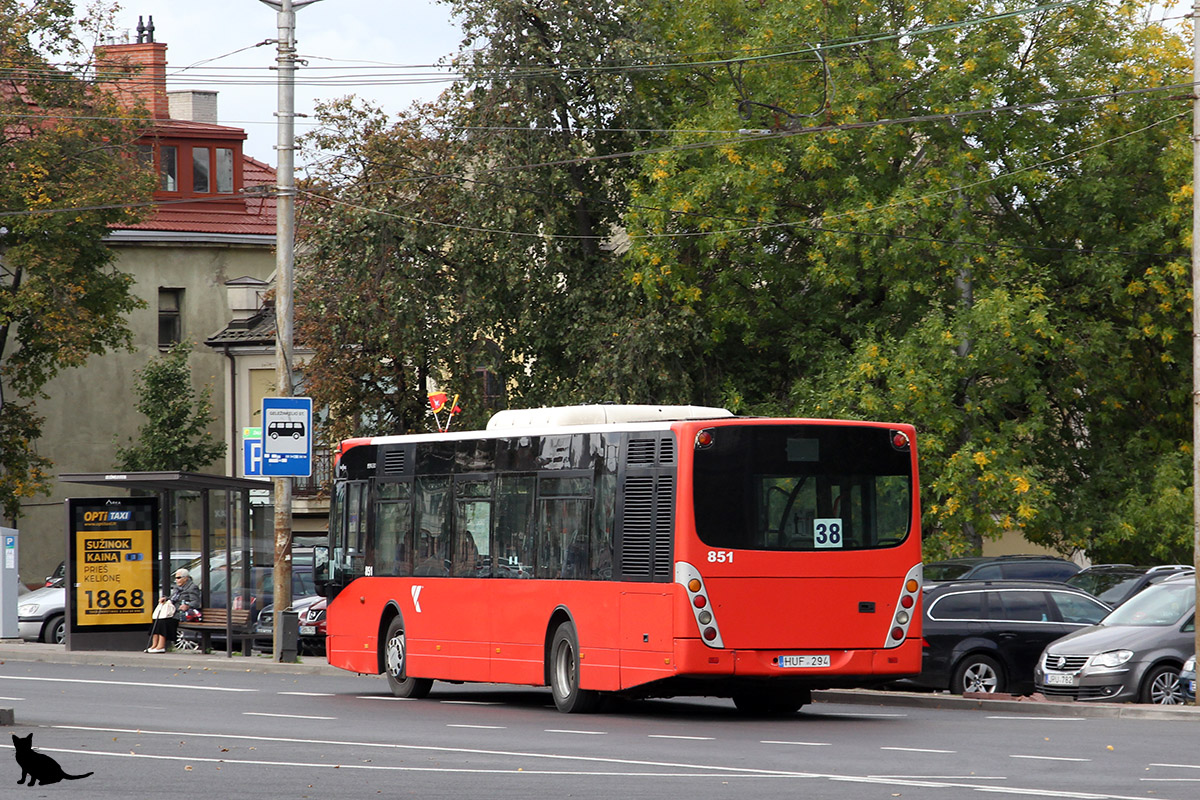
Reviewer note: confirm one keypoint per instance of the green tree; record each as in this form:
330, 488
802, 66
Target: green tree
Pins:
973, 226
381, 299
69, 173
461, 235
175, 435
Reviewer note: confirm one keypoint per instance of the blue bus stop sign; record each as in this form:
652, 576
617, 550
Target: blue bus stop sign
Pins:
287, 436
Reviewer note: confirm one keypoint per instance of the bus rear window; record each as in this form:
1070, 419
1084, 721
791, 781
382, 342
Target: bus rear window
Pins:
802, 488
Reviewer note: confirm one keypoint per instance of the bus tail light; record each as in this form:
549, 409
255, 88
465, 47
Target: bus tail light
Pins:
903, 617
689, 578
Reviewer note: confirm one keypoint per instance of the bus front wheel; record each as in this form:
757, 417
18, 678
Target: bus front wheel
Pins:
397, 665
564, 674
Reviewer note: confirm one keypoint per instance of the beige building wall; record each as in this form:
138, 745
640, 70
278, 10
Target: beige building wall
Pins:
91, 410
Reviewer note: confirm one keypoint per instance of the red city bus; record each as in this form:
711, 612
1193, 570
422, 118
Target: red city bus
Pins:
646, 551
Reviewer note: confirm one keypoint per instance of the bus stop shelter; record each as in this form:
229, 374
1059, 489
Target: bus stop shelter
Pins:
206, 523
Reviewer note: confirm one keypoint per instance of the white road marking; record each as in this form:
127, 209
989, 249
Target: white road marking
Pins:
1170, 780
918, 750
471, 702
139, 684
1042, 719
479, 727
309, 694
13, 699
281, 716
1050, 758
863, 714
693, 770
669, 736
1178, 766
944, 777
581, 733
801, 744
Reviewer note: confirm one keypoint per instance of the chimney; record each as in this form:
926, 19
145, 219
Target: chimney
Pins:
137, 72
193, 105
245, 295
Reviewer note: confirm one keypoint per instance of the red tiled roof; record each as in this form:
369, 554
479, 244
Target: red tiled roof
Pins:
250, 213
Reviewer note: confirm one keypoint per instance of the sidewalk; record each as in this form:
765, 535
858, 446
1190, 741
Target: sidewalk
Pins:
18, 650
21, 651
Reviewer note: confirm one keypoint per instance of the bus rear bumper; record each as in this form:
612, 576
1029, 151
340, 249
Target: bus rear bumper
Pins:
845, 667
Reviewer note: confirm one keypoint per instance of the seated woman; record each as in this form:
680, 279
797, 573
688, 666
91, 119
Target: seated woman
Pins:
185, 595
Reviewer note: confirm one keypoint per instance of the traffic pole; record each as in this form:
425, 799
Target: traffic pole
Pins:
285, 242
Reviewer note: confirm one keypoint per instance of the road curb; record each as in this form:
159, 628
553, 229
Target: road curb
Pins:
57, 654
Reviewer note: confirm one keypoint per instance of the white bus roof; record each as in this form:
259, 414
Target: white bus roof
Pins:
563, 416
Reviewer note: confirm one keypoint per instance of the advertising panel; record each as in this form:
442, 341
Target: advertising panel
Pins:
112, 562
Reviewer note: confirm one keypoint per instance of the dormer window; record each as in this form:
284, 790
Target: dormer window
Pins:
201, 169
224, 170
213, 169
168, 169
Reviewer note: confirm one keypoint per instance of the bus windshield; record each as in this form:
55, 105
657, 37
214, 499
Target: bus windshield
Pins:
802, 488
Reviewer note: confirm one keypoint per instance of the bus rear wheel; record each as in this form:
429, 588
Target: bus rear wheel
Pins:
564, 674
396, 664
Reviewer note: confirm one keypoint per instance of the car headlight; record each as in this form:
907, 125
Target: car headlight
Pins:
1190, 665
1113, 658
28, 610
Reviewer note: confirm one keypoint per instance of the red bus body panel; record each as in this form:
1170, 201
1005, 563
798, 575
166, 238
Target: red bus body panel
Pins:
495, 630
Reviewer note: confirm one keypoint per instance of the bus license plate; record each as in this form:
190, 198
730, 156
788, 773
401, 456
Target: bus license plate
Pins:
1059, 680
308, 630
804, 661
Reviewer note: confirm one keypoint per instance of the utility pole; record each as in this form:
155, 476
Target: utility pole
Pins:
285, 241
1196, 301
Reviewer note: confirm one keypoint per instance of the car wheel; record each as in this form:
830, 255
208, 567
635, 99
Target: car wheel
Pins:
564, 674
1162, 686
55, 631
978, 673
396, 663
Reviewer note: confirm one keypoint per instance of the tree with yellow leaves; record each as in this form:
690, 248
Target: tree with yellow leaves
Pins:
69, 172
966, 215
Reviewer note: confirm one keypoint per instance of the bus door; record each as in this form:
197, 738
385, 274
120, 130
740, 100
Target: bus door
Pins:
347, 534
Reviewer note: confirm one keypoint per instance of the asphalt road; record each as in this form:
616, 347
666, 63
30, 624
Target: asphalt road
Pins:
216, 729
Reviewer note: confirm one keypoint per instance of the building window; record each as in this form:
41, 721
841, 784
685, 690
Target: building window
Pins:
224, 170
168, 168
489, 387
170, 317
200, 170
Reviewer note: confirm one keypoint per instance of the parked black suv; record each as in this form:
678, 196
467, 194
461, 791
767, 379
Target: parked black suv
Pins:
986, 636
1116, 583
1000, 568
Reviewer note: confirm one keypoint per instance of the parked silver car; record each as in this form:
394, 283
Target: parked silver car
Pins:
40, 615
1134, 654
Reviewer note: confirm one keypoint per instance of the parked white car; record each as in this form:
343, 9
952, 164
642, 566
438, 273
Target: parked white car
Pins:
40, 615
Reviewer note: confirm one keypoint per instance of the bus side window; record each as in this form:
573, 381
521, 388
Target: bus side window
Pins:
337, 534
393, 537
514, 545
356, 529
602, 529
432, 498
470, 550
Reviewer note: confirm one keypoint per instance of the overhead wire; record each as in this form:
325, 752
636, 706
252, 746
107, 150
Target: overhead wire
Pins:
793, 223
